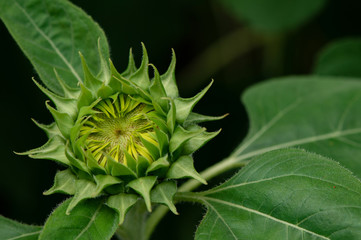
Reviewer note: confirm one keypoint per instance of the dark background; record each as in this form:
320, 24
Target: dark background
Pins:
191, 28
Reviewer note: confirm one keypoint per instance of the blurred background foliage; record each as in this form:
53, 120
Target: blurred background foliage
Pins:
236, 42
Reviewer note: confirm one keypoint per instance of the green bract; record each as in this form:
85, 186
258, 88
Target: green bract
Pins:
123, 136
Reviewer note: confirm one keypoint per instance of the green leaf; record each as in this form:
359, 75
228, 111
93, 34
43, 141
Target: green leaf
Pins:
51, 33
90, 220
143, 186
183, 168
284, 194
163, 193
122, 203
64, 182
340, 58
273, 15
320, 114
10, 229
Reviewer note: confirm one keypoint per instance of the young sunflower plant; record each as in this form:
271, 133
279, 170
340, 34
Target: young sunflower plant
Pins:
123, 136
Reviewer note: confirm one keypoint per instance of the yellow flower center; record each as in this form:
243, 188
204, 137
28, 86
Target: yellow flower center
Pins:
119, 125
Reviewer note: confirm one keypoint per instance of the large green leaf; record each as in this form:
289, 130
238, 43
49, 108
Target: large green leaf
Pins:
90, 219
51, 33
340, 58
320, 114
273, 15
10, 229
284, 194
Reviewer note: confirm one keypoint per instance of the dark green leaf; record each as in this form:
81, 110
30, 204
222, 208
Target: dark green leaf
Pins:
51, 33
284, 194
340, 58
10, 229
89, 220
320, 114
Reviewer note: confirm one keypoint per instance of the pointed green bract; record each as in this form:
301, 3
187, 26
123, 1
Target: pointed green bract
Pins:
84, 190
143, 186
182, 168
53, 149
168, 79
122, 203
64, 182
163, 193
184, 106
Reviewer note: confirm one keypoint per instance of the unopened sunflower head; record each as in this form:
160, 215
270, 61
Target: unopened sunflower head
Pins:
123, 136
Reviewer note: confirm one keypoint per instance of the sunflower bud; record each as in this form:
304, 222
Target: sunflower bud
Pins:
123, 136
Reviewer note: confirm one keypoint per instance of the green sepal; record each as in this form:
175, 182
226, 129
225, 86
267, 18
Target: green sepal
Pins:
183, 168
153, 150
91, 82
157, 91
185, 106
105, 91
86, 97
163, 141
75, 162
104, 181
53, 149
117, 169
104, 73
168, 79
50, 130
172, 116
122, 203
195, 118
142, 165
160, 166
63, 120
131, 162
131, 88
140, 77
84, 190
158, 120
198, 141
69, 92
64, 182
131, 68
127, 87
64, 105
113, 82
181, 136
143, 186
163, 193
93, 165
